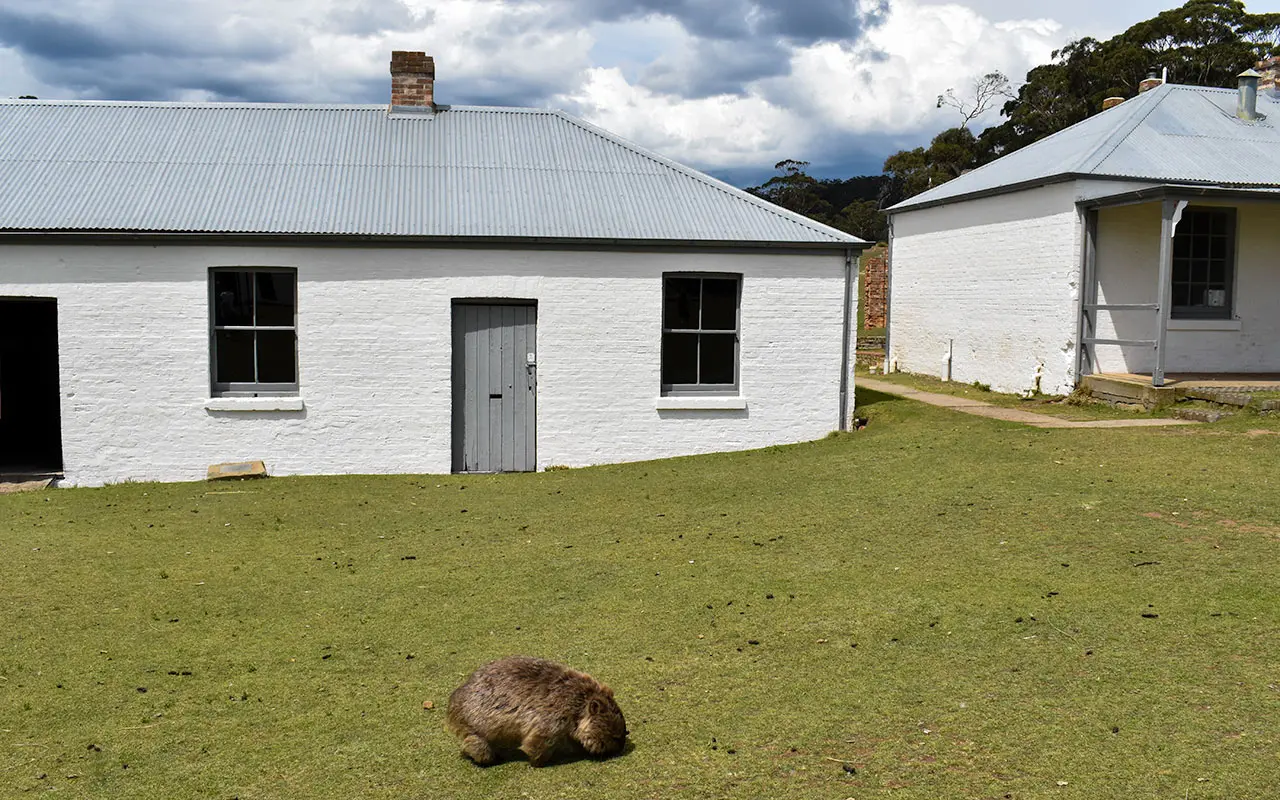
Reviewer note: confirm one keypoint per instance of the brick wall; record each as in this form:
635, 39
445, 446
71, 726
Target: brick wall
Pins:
994, 279
875, 284
374, 352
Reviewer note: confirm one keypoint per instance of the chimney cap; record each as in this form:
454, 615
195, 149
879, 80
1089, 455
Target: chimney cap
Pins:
1249, 73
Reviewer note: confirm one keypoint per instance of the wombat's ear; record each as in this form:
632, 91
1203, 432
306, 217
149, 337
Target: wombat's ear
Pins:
596, 706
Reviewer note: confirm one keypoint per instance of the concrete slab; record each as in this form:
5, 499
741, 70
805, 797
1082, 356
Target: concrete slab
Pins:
237, 470
991, 411
12, 486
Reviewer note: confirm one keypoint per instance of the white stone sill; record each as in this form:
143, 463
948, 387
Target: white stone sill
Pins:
1204, 325
693, 403
253, 404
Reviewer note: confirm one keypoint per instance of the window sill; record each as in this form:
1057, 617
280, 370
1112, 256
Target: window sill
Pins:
253, 404
1204, 324
695, 403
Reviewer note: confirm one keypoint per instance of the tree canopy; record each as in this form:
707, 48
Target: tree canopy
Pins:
1201, 43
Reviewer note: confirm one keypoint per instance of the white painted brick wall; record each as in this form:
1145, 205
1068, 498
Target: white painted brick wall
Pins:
375, 355
1128, 254
999, 276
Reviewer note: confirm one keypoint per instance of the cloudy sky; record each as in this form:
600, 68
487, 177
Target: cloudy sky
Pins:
729, 86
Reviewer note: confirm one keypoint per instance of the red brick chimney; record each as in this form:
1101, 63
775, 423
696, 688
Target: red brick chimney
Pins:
413, 79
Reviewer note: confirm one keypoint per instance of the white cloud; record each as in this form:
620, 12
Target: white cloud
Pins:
886, 83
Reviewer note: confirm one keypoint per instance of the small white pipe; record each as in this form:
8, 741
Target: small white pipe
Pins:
946, 362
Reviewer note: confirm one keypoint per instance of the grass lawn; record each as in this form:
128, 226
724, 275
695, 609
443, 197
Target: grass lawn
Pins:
939, 606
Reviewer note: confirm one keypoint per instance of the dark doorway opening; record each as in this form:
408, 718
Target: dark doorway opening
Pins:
30, 412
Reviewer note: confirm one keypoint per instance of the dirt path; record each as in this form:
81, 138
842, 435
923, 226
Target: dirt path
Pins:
983, 409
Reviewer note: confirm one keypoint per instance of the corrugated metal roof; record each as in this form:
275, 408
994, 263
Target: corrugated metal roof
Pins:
1171, 134
356, 170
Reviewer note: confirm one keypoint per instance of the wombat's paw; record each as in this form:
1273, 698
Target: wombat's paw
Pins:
535, 747
478, 750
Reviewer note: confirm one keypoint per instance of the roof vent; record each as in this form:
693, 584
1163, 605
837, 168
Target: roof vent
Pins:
1247, 98
413, 80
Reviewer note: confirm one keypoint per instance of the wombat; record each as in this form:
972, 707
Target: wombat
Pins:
537, 706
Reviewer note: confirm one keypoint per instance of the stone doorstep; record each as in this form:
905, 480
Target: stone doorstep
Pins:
237, 470
1118, 391
1201, 414
1219, 396
24, 484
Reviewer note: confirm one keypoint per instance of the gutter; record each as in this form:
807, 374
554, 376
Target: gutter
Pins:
888, 295
1178, 191
55, 236
846, 346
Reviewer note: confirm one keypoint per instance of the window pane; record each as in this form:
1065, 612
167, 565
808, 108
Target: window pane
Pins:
1181, 270
234, 357
1181, 245
719, 304
1181, 294
1217, 274
1199, 270
232, 298
718, 357
680, 303
1219, 226
679, 358
275, 298
277, 357
1200, 247
1201, 222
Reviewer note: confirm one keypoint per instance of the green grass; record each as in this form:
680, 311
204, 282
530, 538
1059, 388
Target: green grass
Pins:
1029, 607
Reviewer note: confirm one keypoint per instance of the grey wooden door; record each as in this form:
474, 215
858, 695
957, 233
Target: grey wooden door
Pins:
495, 387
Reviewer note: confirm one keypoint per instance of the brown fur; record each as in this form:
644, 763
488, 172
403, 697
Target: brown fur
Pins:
536, 706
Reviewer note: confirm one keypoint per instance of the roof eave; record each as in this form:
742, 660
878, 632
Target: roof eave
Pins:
13, 236
1183, 191
993, 191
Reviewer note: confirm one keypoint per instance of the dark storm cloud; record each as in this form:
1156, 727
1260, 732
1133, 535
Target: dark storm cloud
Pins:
797, 21
735, 41
372, 17
150, 51
715, 67
151, 32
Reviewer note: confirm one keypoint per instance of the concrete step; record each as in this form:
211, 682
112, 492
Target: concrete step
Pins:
1200, 414
1113, 390
1223, 397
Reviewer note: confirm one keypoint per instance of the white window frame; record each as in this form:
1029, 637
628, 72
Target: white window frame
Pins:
704, 389
253, 388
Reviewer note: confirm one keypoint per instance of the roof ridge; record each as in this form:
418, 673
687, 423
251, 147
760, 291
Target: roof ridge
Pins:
708, 180
1124, 130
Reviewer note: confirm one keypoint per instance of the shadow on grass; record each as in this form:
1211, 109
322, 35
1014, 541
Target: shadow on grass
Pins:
865, 398
567, 756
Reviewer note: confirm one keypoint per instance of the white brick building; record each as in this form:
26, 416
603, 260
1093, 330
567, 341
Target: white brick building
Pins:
1046, 265
417, 289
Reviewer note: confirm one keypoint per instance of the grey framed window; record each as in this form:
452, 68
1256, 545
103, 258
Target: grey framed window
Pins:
254, 331
1204, 264
700, 336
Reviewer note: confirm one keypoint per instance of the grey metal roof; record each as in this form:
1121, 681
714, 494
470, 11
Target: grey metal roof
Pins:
356, 170
1170, 134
